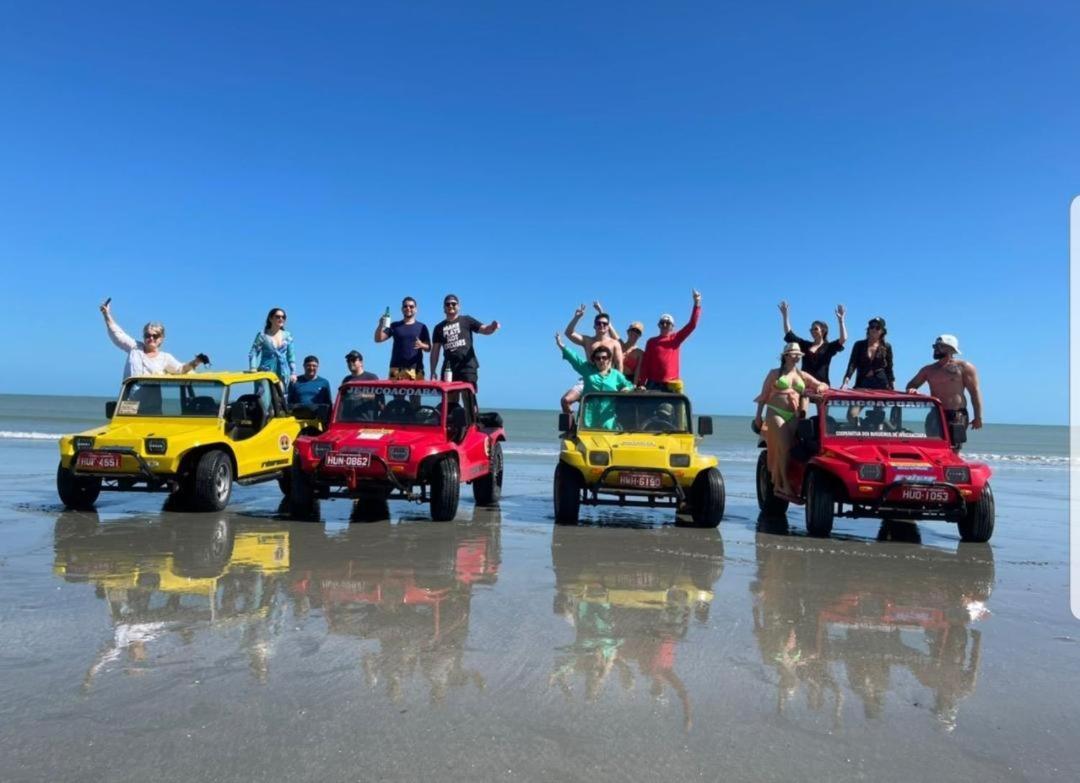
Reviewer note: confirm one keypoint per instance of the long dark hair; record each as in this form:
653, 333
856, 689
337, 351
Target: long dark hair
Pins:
270, 317
824, 328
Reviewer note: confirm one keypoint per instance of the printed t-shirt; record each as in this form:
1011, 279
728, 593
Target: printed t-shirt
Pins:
456, 338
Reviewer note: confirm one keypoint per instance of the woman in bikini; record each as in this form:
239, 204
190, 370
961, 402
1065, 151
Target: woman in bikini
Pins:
273, 349
818, 351
781, 399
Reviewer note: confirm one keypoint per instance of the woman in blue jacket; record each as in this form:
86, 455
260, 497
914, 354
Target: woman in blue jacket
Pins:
273, 348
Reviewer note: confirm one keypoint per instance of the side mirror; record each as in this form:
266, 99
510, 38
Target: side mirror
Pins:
490, 420
808, 431
958, 433
566, 423
704, 425
110, 409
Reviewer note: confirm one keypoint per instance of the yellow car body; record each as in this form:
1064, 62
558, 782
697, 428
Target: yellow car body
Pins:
162, 428
641, 453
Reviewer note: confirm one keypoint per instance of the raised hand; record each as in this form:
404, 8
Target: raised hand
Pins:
840, 311
599, 308
558, 339
495, 326
580, 311
783, 307
697, 295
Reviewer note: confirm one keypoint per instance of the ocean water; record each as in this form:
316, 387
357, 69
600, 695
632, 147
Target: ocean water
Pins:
532, 434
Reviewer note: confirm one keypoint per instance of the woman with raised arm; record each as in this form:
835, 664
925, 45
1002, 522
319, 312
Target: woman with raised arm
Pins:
782, 398
599, 375
818, 351
871, 361
145, 357
273, 349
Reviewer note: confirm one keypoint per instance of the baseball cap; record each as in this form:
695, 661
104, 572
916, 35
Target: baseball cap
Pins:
948, 340
354, 355
667, 317
636, 325
876, 321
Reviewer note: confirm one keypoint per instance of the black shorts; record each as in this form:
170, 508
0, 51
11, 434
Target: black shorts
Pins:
957, 416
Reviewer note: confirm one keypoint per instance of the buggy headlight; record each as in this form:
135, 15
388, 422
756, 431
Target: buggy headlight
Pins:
83, 443
599, 458
320, 449
398, 453
871, 471
958, 475
156, 445
679, 460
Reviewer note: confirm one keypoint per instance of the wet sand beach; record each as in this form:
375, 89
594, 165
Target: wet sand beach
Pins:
142, 644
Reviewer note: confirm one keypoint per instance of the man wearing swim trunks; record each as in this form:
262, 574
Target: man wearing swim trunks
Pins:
601, 337
411, 339
949, 379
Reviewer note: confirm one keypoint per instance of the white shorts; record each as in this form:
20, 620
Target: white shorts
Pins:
577, 388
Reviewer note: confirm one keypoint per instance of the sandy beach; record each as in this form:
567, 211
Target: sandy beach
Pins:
143, 643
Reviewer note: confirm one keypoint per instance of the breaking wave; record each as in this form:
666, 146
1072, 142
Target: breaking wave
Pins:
17, 435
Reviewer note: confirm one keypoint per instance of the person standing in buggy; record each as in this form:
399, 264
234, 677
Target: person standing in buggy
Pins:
272, 349
818, 351
871, 362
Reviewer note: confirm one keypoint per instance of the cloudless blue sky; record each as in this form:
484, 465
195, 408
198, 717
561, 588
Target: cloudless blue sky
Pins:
203, 162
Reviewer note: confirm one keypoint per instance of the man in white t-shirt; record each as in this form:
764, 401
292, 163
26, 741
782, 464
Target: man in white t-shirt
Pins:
145, 357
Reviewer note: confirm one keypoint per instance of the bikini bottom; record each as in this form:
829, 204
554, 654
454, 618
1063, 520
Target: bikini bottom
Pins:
783, 413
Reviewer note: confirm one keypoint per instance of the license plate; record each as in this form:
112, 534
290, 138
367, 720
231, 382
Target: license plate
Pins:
98, 460
348, 460
923, 495
640, 480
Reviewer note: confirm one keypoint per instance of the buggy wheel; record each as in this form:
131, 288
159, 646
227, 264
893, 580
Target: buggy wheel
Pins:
488, 489
567, 491
301, 494
212, 487
707, 498
767, 500
445, 489
284, 482
77, 492
977, 524
820, 505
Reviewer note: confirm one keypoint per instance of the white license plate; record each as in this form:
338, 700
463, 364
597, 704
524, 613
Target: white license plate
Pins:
640, 480
97, 460
925, 495
348, 460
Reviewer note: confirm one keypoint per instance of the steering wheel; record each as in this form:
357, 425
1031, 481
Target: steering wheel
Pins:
427, 412
658, 425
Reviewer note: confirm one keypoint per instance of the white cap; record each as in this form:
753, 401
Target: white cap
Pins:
668, 317
950, 341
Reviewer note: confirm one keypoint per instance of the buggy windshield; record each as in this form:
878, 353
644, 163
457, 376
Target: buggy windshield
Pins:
181, 398
421, 406
884, 419
636, 413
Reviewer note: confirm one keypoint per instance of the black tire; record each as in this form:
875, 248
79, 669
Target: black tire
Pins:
488, 489
567, 491
707, 498
301, 494
213, 481
445, 489
820, 505
977, 524
76, 492
284, 482
767, 500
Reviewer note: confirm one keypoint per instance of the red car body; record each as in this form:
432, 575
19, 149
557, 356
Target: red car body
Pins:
411, 440
882, 466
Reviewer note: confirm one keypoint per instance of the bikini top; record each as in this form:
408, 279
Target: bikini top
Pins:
783, 385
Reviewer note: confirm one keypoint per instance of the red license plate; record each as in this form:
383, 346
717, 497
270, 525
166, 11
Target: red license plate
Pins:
640, 480
923, 495
348, 460
97, 460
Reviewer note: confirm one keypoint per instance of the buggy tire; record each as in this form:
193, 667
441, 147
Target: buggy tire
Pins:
488, 489
567, 494
445, 489
76, 492
977, 524
767, 501
284, 482
302, 503
707, 498
213, 483
820, 505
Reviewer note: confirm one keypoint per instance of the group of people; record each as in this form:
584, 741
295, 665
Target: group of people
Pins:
783, 393
615, 364
273, 351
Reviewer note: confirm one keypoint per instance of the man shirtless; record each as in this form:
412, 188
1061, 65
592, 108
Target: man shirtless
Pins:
949, 379
601, 338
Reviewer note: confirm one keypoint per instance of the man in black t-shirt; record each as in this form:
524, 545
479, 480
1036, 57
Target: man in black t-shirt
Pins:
455, 336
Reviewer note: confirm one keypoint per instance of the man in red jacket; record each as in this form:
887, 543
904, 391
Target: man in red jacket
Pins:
659, 368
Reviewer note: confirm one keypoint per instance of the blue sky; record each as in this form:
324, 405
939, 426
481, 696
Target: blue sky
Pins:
203, 162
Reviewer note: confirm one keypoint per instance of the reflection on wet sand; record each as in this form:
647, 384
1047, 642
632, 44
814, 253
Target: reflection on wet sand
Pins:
826, 613
407, 587
169, 580
630, 596
175, 577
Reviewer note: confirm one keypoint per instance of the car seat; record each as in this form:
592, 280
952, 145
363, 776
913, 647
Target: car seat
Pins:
398, 411
246, 416
203, 406
456, 424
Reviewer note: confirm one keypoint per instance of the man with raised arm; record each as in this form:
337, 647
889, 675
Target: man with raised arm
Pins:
455, 334
659, 367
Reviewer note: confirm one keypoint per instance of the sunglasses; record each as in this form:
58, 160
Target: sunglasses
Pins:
667, 323
601, 357
600, 323
280, 315
450, 304
408, 307
149, 336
